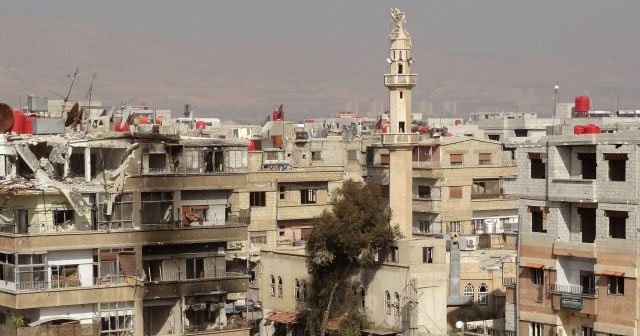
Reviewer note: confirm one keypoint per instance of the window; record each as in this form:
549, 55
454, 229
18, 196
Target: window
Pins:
273, 286
283, 192
384, 159
427, 255
316, 155
62, 217
401, 123
396, 304
308, 196
352, 155
455, 192
400, 94
469, 291
259, 240
617, 224
279, 287
615, 285
617, 166
157, 207
117, 214
588, 283
536, 329
257, 198
116, 318
483, 295
387, 303
363, 296
425, 226
303, 291
195, 268
157, 161
65, 276
521, 133
456, 159
484, 159
424, 192
537, 165
192, 161
392, 255
537, 276
588, 165
537, 221
587, 224
400, 68
454, 227
494, 137
297, 290
31, 272
588, 331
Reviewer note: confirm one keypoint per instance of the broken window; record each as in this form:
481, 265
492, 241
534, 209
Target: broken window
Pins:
427, 255
588, 282
195, 268
617, 224
537, 220
494, 137
617, 166
117, 214
615, 285
157, 208
588, 165
192, 161
588, 224
308, 196
153, 270
157, 162
455, 226
520, 133
283, 192
537, 165
456, 159
484, 159
384, 159
62, 217
316, 155
257, 198
424, 192
237, 160
279, 287
31, 272
537, 276
194, 213
392, 254
486, 188
64, 276
22, 220
116, 318
483, 295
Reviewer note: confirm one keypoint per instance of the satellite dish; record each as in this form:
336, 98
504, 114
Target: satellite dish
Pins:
73, 116
6, 118
411, 61
388, 60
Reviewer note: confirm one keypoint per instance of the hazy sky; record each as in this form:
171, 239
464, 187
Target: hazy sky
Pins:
239, 59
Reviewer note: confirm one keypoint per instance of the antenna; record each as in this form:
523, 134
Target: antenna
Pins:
556, 90
73, 80
90, 92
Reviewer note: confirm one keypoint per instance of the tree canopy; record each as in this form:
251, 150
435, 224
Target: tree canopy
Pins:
343, 241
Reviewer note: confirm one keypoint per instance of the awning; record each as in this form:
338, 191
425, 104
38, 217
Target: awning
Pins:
534, 265
57, 319
612, 273
128, 264
286, 317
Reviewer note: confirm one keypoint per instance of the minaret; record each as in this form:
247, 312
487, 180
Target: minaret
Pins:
400, 140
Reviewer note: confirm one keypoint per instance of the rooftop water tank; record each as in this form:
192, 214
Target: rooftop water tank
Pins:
583, 105
18, 122
592, 129
578, 129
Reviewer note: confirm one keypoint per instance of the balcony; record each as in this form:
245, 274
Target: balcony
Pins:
405, 80
581, 190
62, 283
400, 139
574, 298
573, 289
301, 211
230, 282
574, 249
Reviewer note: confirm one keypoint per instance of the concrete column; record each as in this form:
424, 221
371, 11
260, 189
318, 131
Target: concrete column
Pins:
138, 304
67, 165
401, 189
87, 164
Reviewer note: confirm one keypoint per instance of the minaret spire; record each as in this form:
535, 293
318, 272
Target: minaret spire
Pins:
400, 141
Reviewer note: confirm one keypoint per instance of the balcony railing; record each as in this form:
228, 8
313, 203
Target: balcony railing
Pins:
573, 289
398, 139
487, 196
181, 276
108, 280
426, 164
400, 80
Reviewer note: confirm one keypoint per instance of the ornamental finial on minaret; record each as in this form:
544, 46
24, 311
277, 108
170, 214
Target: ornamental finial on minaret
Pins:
398, 32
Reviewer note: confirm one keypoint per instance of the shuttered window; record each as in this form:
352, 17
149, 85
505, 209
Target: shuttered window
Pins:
455, 192
484, 158
456, 159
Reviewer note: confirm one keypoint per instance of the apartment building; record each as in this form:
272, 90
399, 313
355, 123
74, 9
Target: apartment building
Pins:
458, 187
579, 234
132, 233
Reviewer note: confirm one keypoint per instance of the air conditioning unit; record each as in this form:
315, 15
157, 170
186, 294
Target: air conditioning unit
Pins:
234, 245
468, 243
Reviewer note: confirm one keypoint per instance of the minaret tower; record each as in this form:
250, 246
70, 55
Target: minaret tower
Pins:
400, 140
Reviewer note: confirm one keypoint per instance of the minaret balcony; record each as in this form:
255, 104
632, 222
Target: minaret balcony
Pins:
405, 80
400, 139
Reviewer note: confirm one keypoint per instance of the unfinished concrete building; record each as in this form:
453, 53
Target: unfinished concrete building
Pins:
135, 233
579, 255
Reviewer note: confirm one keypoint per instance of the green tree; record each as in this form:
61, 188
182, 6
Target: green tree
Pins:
343, 242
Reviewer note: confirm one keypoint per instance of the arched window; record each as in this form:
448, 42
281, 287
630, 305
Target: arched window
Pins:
273, 286
279, 287
303, 291
387, 303
396, 304
483, 295
363, 295
400, 68
468, 291
297, 291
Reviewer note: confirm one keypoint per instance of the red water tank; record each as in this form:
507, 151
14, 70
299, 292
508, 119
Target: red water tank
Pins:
158, 120
252, 146
28, 124
143, 120
583, 104
385, 129
18, 122
200, 124
121, 127
592, 129
457, 122
578, 129
423, 129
